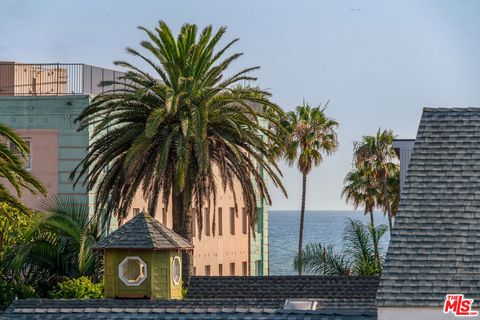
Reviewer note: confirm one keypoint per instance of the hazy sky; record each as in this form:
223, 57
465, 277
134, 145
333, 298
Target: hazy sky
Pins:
378, 62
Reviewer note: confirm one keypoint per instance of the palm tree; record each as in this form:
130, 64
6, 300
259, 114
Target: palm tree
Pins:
171, 133
309, 135
376, 154
321, 259
391, 200
370, 183
360, 189
12, 169
358, 257
58, 244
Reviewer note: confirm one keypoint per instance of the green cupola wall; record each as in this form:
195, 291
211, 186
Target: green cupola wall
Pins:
143, 259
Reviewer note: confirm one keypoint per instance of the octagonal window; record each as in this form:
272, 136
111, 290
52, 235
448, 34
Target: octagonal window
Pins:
176, 271
132, 271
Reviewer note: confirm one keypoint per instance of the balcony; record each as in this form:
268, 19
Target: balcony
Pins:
54, 79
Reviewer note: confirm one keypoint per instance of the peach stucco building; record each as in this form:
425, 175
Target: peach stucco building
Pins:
223, 252
41, 103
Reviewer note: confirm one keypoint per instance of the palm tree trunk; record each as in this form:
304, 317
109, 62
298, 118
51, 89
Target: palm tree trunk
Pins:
302, 219
390, 225
182, 224
375, 240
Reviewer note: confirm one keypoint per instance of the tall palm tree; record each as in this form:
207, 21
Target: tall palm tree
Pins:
166, 133
58, 244
309, 135
12, 169
370, 181
358, 256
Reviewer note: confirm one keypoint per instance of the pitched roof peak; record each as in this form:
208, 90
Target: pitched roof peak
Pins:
144, 232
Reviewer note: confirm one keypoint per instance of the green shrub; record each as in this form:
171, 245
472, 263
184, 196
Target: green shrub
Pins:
77, 288
7, 294
9, 290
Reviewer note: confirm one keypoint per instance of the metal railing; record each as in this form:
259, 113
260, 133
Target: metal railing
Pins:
52, 79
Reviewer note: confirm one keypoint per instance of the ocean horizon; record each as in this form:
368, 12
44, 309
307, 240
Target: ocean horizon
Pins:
325, 226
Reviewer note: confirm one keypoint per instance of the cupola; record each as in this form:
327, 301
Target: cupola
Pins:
143, 259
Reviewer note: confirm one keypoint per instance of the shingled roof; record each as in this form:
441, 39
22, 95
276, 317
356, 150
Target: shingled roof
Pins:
284, 287
47, 309
143, 232
435, 243
338, 298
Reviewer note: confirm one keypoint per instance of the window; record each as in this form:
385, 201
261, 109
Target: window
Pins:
194, 224
220, 222
136, 211
14, 149
164, 216
207, 270
244, 221
244, 268
132, 271
176, 271
232, 221
258, 267
194, 271
232, 268
220, 269
207, 222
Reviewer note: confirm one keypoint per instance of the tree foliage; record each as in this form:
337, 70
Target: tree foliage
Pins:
177, 131
358, 256
11, 290
77, 288
12, 170
374, 181
13, 229
57, 245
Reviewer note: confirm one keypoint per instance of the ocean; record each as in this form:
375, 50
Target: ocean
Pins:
320, 226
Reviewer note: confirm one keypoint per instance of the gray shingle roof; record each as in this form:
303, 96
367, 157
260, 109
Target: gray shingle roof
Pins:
170, 309
143, 232
435, 243
338, 298
284, 287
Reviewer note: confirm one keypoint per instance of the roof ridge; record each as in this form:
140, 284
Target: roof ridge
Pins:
449, 109
162, 229
145, 224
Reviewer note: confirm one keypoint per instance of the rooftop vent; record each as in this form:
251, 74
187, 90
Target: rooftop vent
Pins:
296, 304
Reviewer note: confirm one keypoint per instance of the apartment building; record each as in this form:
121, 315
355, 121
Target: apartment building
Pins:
41, 102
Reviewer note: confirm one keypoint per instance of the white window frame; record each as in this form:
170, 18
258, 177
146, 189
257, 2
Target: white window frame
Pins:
176, 281
125, 280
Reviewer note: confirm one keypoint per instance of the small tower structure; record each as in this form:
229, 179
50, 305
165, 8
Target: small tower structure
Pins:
143, 259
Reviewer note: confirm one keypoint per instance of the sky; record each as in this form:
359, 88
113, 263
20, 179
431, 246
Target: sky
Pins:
377, 62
